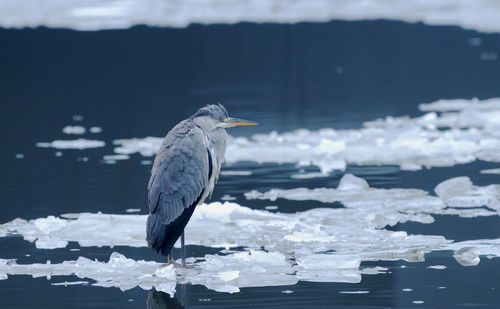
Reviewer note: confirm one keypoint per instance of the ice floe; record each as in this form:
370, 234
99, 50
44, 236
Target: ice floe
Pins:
80, 143
119, 271
452, 132
111, 159
491, 171
95, 130
323, 245
460, 192
353, 192
74, 130
147, 146
263, 248
84, 15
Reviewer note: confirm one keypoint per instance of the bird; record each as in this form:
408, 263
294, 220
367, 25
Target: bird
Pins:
184, 174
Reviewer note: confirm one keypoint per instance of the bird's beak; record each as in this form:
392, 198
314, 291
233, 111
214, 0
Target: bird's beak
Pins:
233, 122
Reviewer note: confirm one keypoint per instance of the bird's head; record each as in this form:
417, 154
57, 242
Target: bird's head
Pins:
215, 116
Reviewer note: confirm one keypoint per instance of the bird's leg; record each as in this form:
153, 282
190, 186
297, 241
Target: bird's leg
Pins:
170, 258
183, 250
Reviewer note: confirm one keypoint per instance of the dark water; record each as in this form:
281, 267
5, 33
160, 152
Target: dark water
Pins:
140, 82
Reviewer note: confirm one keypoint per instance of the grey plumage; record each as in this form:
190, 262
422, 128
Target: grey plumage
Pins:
184, 173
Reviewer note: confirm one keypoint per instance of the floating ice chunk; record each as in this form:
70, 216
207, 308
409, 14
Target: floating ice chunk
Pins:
354, 292
19, 156
460, 192
132, 210
77, 130
399, 205
111, 159
491, 171
227, 197
437, 267
485, 247
345, 231
66, 283
145, 146
242, 269
119, 271
328, 268
50, 243
80, 143
351, 182
393, 205
467, 256
87, 229
418, 302
471, 133
374, 270
49, 224
462, 105
95, 130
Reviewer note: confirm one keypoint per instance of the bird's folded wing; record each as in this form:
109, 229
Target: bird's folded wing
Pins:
179, 175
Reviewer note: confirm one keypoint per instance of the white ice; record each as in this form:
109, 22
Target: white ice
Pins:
119, 272
111, 159
80, 143
99, 14
467, 252
400, 204
325, 245
452, 132
460, 192
74, 130
95, 130
321, 245
491, 171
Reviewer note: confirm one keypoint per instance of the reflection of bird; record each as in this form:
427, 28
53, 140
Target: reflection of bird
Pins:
184, 174
161, 300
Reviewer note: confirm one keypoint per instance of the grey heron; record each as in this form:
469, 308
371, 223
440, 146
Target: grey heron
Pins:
184, 174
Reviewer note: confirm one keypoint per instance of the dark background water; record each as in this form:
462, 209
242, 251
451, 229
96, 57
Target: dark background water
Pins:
142, 81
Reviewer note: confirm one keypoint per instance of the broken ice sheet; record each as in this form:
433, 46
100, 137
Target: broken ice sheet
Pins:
74, 130
119, 271
460, 192
400, 205
251, 268
468, 252
435, 139
350, 231
322, 244
80, 143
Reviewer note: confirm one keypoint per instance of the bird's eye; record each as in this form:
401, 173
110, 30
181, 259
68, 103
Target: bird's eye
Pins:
220, 119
